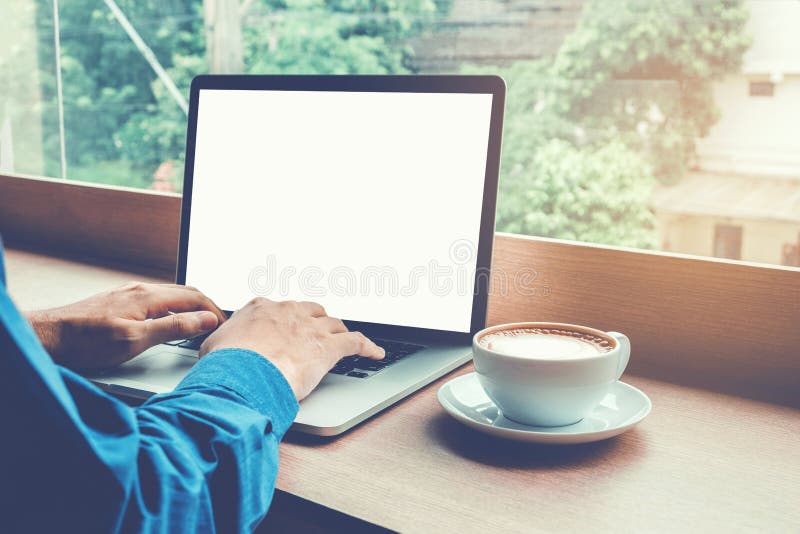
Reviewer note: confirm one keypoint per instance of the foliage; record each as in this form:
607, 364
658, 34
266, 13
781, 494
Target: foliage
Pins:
107, 83
643, 70
335, 36
588, 132
634, 78
587, 194
116, 110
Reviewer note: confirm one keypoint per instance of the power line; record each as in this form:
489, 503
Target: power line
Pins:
148, 55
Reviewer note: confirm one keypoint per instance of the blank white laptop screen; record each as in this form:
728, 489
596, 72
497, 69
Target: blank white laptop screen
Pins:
366, 202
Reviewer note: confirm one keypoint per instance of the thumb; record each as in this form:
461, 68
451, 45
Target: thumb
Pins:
180, 326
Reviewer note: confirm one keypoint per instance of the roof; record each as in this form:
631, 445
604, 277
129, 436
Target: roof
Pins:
496, 32
731, 195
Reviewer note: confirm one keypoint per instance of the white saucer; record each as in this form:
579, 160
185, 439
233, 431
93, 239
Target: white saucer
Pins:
622, 408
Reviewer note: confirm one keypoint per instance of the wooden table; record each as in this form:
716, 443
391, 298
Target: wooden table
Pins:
701, 462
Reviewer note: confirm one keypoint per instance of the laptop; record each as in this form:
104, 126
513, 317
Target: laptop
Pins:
371, 195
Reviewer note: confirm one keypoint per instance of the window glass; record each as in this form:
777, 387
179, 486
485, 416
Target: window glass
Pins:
629, 122
762, 89
728, 241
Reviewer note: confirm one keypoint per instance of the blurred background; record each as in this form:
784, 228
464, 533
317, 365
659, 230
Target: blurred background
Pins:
672, 126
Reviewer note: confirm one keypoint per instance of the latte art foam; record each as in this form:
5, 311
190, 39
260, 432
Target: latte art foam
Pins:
553, 343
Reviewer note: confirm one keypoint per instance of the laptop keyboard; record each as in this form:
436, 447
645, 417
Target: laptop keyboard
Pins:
360, 367
352, 366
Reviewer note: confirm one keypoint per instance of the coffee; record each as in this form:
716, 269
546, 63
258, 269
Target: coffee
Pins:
548, 374
546, 343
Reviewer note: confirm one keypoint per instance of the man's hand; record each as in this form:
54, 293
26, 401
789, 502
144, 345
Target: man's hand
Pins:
112, 327
297, 337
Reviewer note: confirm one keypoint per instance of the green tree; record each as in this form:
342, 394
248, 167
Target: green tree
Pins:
106, 81
121, 123
590, 194
623, 101
644, 71
285, 37
335, 36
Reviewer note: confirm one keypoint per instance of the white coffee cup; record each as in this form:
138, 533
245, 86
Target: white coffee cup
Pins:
549, 389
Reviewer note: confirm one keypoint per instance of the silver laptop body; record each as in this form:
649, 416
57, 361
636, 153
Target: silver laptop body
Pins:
432, 333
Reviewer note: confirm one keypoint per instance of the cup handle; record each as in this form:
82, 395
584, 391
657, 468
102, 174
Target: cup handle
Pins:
624, 351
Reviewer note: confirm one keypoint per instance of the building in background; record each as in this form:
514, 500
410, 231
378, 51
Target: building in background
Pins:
743, 199
496, 32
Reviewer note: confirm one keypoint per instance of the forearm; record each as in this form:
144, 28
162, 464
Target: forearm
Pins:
220, 429
70, 339
47, 326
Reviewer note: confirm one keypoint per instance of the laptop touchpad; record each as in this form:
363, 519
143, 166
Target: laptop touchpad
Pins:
163, 369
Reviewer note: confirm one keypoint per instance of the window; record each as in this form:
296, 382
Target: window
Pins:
762, 89
618, 130
728, 241
791, 253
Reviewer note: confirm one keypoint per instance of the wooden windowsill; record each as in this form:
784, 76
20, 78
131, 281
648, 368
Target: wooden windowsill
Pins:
702, 461
714, 324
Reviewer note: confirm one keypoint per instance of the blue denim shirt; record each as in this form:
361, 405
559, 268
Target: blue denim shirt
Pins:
202, 458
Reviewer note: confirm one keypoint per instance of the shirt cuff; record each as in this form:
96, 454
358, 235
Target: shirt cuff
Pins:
253, 377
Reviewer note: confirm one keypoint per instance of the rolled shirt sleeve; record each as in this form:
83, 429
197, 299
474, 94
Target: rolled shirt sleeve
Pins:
214, 439
201, 458
254, 378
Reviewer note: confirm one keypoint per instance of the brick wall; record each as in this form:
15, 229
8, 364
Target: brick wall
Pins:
496, 32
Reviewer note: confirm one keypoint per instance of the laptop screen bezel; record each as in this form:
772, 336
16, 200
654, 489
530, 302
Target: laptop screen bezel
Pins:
493, 85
